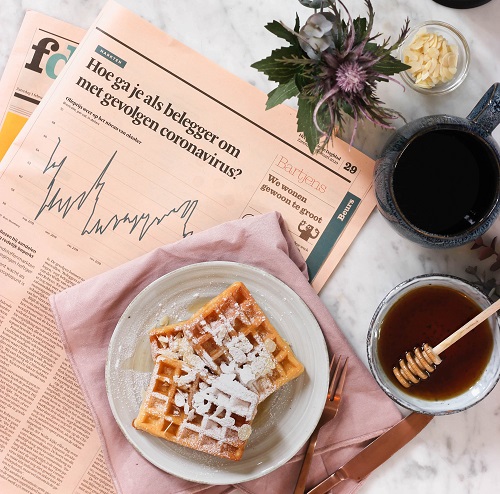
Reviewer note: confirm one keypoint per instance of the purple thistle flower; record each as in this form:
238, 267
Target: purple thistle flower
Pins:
346, 75
333, 66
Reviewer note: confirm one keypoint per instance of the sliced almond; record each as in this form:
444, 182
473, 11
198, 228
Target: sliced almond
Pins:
431, 58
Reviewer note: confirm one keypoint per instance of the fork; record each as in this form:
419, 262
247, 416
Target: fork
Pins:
337, 379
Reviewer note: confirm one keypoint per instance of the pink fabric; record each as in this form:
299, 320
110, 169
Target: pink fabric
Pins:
86, 316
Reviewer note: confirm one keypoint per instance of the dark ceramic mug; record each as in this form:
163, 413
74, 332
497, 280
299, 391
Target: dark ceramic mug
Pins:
437, 180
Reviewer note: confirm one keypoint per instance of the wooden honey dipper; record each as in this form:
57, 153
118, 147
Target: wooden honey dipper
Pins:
424, 360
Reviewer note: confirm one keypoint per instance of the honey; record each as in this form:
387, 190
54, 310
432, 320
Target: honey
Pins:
429, 314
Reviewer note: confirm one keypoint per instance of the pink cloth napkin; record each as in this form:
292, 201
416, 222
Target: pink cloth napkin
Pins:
86, 316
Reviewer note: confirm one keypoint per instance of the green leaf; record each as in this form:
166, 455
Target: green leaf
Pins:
306, 125
346, 108
373, 47
282, 93
325, 120
339, 33
304, 78
390, 66
359, 29
297, 24
276, 68
282, 32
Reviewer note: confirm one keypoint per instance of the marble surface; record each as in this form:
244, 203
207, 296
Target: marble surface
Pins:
455, 454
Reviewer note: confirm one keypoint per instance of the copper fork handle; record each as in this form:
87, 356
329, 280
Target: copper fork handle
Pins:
306, 464
335, 389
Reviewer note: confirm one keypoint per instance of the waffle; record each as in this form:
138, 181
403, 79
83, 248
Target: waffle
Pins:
231, 333
192, 408
212, 371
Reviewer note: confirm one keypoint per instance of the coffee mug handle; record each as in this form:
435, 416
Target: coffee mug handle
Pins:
487, 112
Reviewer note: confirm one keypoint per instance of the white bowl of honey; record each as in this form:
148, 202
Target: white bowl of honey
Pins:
427, 309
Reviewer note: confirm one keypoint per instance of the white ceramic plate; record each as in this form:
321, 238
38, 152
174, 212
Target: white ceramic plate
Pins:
284, 421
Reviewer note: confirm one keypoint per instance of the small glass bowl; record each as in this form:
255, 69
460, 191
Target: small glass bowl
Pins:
453, 37
470, 397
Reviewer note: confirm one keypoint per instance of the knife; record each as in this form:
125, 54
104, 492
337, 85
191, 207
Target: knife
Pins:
376, 453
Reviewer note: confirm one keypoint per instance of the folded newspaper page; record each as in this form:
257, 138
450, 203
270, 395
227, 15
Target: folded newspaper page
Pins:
138, 142
324, 199
42, 48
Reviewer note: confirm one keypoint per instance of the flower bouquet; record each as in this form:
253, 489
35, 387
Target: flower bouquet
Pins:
333, 66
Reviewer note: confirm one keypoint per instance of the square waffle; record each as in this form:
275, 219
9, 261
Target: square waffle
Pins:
190, 407
231, 333
211, 372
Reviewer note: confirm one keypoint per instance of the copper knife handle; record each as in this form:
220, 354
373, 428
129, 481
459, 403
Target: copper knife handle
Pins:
335, 478
377, 452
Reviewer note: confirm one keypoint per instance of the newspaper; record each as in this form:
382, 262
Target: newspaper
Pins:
324, 199
29, 72
130, 148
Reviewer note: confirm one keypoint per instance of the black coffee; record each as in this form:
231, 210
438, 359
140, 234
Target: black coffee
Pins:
445, 181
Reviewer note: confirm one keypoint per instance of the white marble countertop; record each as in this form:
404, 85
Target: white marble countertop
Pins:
455, 454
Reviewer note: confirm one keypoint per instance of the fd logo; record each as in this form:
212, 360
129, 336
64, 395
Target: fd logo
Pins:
46, 46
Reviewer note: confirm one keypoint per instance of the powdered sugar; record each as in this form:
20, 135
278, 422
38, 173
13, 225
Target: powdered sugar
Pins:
239, 347
225, 354
218, 403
